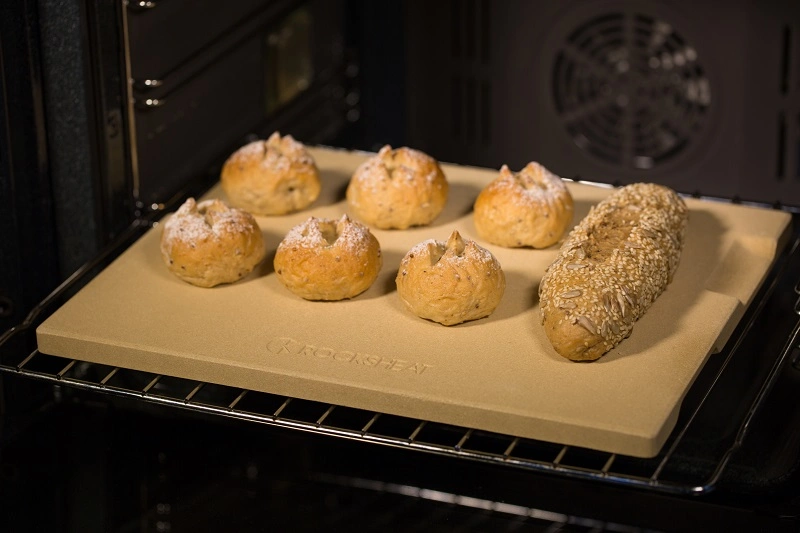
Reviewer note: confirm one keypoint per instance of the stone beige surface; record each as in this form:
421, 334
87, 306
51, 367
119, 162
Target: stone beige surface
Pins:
499, 373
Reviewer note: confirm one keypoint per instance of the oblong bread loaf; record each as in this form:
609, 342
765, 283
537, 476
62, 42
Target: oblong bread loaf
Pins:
611, 268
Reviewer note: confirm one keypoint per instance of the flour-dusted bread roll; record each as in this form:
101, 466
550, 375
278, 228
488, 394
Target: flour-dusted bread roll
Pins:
531, 207
611, 268
326, 259
450, 282
209, 243
272, 177
397, 189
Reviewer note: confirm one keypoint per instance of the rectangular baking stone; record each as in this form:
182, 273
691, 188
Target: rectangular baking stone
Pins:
497, 374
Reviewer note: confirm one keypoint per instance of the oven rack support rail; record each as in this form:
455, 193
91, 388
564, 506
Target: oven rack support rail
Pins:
663, 473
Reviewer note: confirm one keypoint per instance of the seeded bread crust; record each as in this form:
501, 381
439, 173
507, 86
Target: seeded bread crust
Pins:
531, 207
273, 177
611, 268
450, 282
208, 243
327, 259
397, 189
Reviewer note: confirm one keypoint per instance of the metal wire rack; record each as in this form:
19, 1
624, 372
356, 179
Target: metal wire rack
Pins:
665, 473
339, 421
374, 427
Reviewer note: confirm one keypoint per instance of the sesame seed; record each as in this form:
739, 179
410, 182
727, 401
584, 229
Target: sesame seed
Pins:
617, 261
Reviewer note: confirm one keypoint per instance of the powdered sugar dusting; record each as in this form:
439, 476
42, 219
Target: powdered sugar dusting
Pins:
195, 223
424, 247
277, 153
397, 167
409, 157
372, 175
247, 153
397, 189
287, 150
345, 234
450, 282
534, 185
455, 250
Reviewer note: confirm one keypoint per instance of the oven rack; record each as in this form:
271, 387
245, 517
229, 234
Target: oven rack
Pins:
676, 470
357, 424
374, 427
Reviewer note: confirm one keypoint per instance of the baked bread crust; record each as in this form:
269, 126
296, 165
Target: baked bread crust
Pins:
450, 282
530, 208
326, 259
209, 243
611, 268
272, 177
397, 189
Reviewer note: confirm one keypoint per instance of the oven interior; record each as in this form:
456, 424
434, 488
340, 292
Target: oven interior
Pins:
144, 101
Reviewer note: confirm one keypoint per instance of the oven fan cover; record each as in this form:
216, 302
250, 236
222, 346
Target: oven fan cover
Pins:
630, 90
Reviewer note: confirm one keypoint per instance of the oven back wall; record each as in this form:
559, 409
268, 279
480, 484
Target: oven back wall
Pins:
703, 97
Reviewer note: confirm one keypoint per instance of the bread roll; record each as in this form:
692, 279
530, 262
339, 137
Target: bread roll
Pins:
450, 282
209, 243
326, 259
530, 208
611, 268
272, 177
397, 189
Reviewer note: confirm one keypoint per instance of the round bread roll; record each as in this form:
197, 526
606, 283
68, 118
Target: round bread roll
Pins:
325, 259
450, 282
529, 208
272, 177
611, 268
209, 243
397, 189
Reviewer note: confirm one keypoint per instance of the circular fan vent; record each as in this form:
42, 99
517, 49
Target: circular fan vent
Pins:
630, 90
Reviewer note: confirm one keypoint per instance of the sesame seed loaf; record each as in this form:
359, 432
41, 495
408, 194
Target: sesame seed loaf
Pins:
611, 268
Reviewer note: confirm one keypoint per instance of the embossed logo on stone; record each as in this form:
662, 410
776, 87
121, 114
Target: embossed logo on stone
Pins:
289, 346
